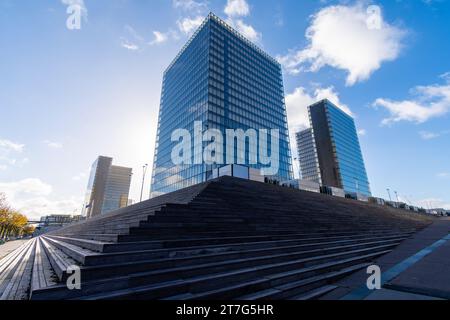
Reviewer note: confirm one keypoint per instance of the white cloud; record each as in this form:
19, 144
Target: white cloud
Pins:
362, 132
133, 41
341, 37
159, 38
443, 175
428, 102
29, 186
37, 207
8, 161
237, 8
32, 198
196, 11
8, 145
79, 176
190, 5
124, 43
279, 20
298, 101
8, 154
297, 104
53, 144
431, 2
189, 25
247, 31
426, 135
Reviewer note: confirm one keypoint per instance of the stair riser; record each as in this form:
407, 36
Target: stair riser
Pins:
59, 270
104, 238
113, 248
144, 280
170, 233
116, 284
226, 281
197, 259
190, 241
100, 272
123, 247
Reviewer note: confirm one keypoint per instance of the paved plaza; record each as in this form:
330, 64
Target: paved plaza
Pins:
8, 247
418, 269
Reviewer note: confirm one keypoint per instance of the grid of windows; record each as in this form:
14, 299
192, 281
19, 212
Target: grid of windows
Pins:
226, 82
108, 187
117, 188
309, 165
347, 150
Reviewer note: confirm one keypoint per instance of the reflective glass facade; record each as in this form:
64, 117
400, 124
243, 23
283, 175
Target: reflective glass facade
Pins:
107, 188
309, 165
339, 153
225, 81
117, 188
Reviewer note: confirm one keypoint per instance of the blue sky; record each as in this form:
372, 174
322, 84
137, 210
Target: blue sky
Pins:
68, 96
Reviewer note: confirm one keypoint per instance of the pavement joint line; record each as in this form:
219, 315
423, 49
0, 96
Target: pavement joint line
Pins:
363, 292
437, 294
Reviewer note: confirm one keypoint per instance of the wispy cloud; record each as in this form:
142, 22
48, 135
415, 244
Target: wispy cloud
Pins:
426, 135
53, 144
279, 20
190, 5
34, 198
9, 145
134, 41
236, 10
9, 151
298, 101
247, 31
297, 104
443, 175
80, 176
125, 43
340, 37
428, 102
189, 25
192, 14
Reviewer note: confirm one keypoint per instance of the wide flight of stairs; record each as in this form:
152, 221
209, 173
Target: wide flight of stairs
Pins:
224, 239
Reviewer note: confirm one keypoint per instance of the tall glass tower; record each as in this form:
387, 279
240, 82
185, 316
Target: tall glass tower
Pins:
337, 147
108, 188
307, 156
223, 80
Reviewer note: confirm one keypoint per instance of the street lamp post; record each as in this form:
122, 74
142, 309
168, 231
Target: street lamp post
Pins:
396, 194
144, 169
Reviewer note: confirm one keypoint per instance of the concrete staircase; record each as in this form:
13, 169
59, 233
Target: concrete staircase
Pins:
225, 239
